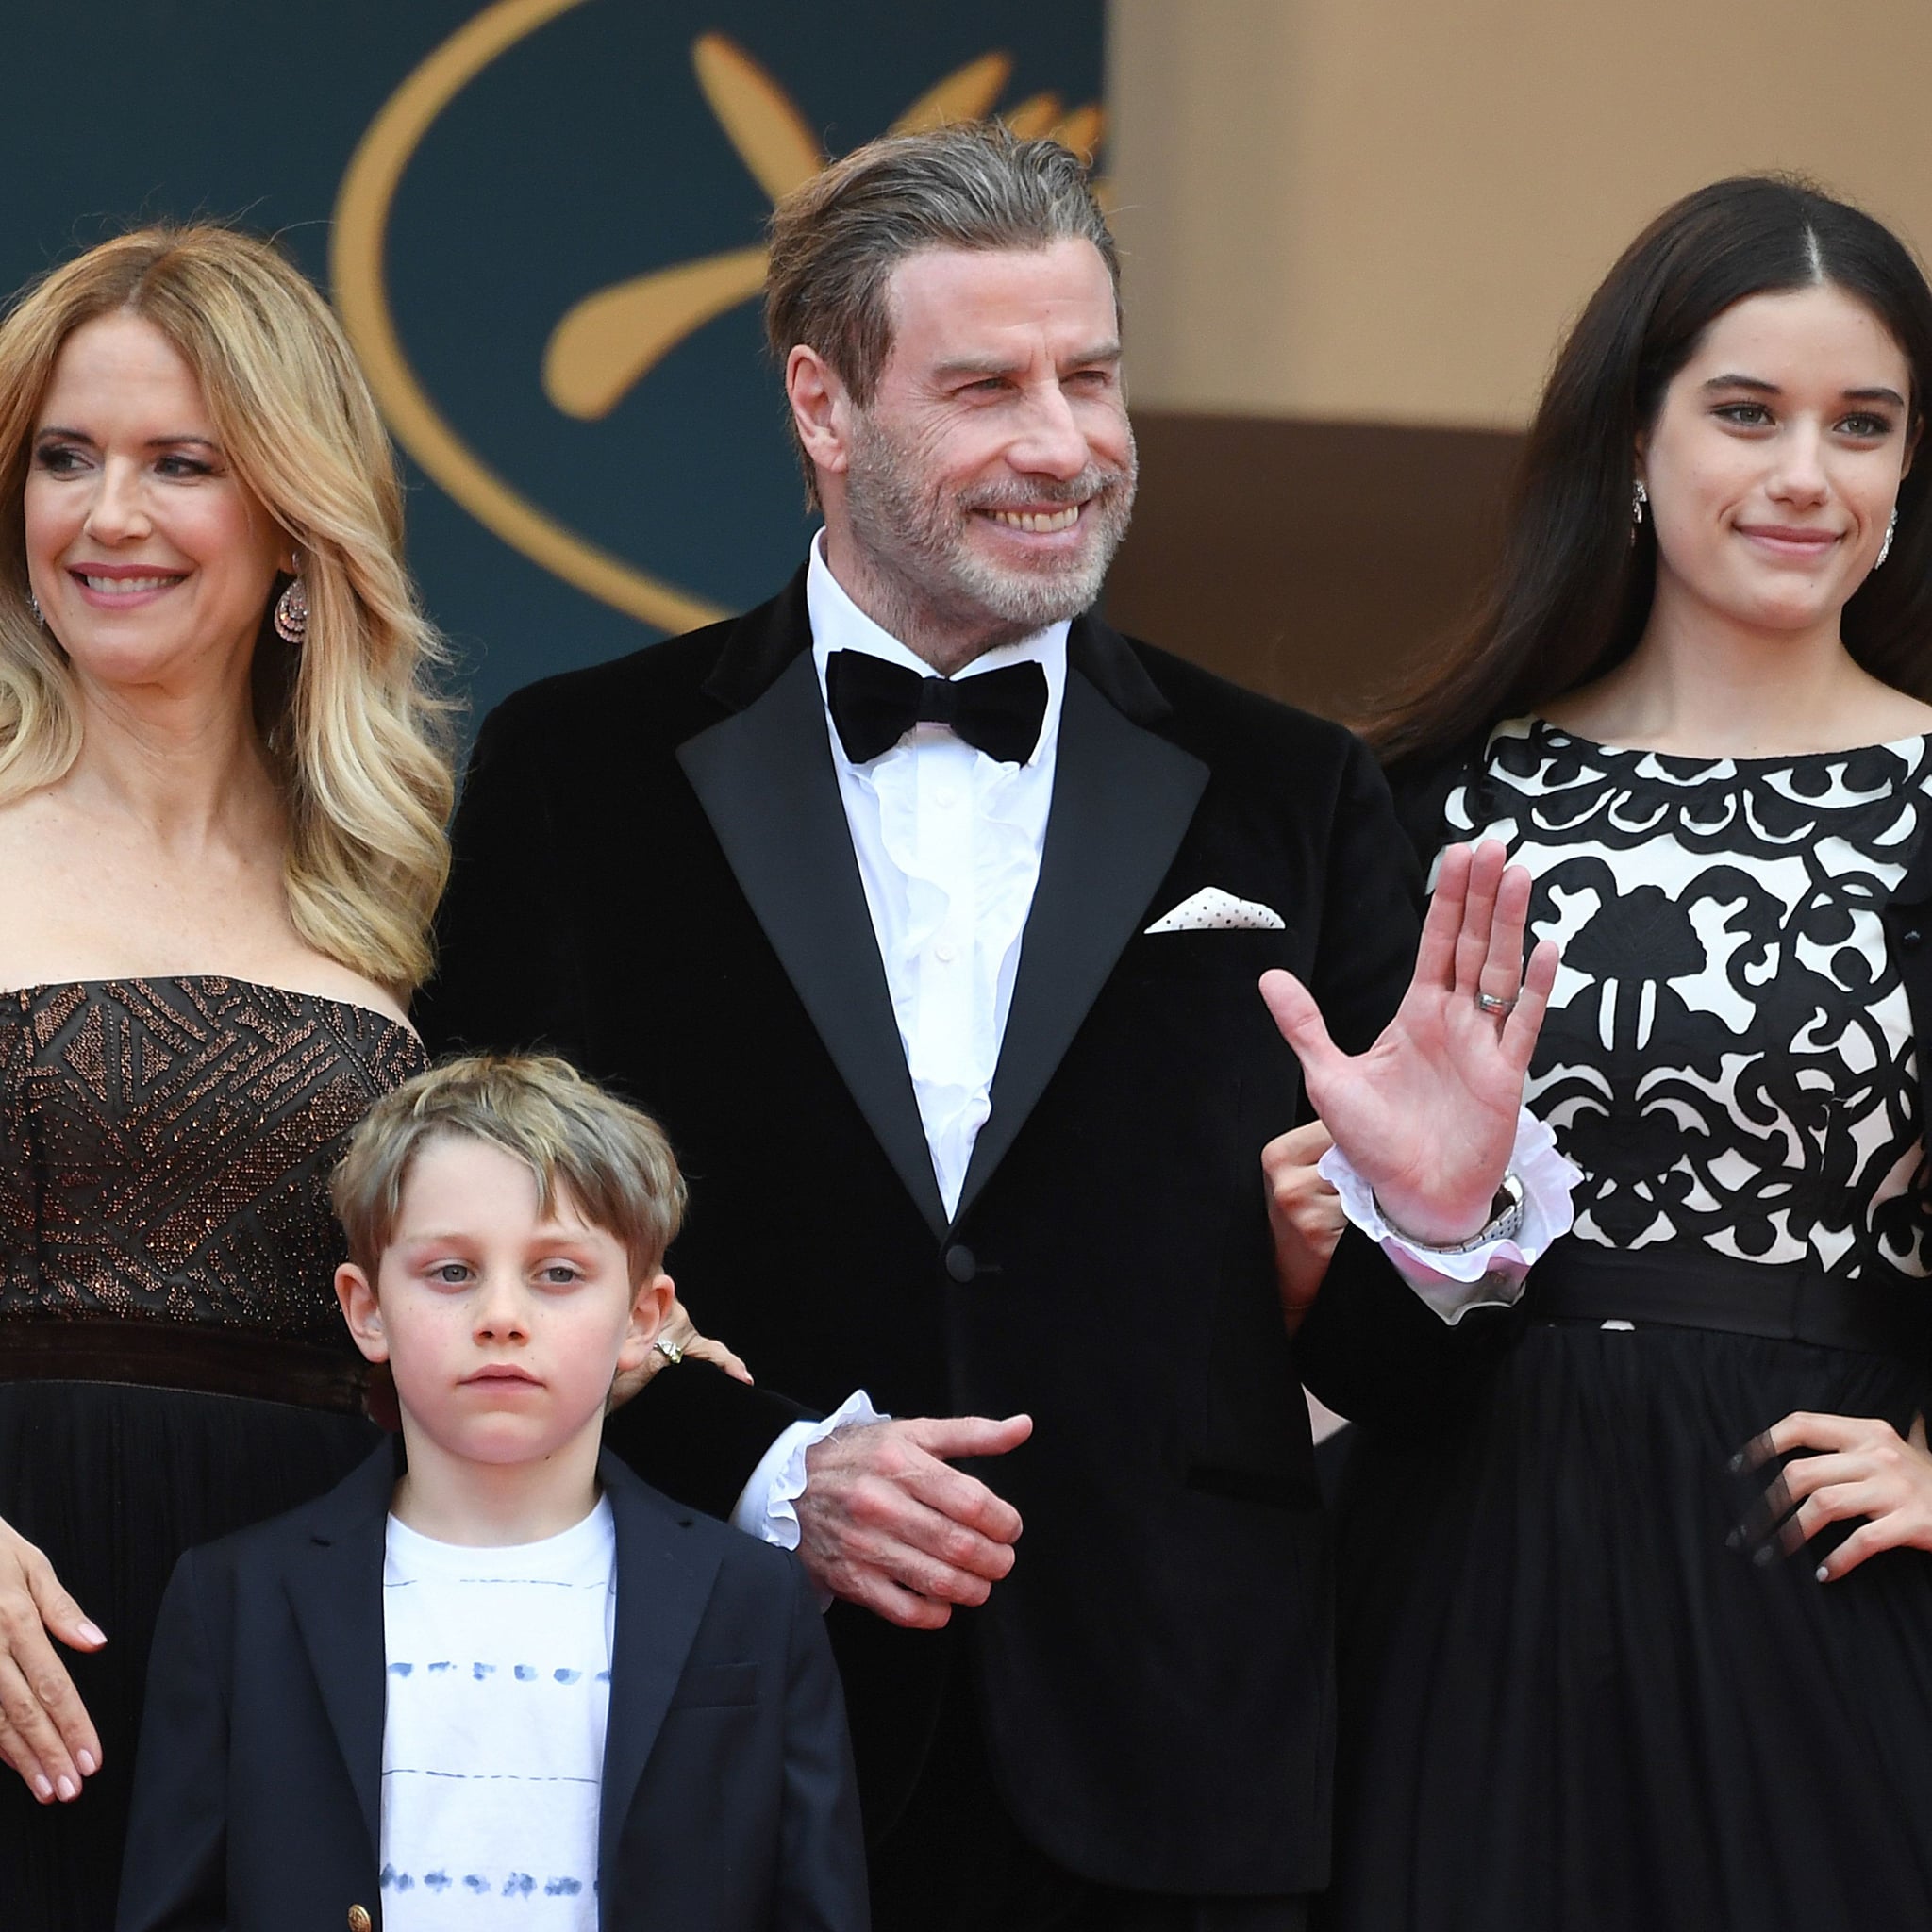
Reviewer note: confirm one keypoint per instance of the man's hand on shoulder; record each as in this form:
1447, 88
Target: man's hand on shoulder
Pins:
884, 1522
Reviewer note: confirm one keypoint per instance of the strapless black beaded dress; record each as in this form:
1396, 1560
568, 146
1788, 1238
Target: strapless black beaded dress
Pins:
173, 1364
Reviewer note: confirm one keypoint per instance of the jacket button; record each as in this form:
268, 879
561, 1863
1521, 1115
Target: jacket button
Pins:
959, 1263
1911, 936
359, 1918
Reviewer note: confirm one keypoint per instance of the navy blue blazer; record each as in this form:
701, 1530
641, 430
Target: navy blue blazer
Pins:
728, 1799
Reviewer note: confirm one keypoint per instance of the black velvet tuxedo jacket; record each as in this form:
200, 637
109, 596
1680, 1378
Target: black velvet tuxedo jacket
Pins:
728, 1798
655, 876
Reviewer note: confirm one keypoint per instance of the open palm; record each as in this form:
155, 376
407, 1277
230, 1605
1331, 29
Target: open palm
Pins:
1428, 1115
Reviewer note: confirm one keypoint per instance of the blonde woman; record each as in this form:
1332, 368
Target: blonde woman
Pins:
224, 782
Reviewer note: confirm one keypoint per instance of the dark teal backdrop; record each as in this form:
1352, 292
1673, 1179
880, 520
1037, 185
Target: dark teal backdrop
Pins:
580, 152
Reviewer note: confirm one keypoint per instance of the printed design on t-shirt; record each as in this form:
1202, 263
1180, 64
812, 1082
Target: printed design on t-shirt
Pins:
497, 1692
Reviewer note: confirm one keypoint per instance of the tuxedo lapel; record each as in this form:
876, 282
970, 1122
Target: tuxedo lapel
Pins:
663, 1583
765, 779
1122, 798
335, 1587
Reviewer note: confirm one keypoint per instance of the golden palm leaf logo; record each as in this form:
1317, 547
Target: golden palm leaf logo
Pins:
606, 343
610, 340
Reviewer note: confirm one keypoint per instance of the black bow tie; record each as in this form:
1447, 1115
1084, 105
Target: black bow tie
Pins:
875, 703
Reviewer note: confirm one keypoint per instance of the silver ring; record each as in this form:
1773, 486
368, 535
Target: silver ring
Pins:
1495, 1005
669, 1350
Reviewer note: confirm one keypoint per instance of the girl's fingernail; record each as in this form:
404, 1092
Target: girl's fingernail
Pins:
45, 1789
1823, 1573
67, 1788
1736, 1463
86, 1760
93, 1633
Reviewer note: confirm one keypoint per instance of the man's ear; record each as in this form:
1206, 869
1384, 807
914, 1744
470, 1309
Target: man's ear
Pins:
361, 1311
821, 408
650, 1308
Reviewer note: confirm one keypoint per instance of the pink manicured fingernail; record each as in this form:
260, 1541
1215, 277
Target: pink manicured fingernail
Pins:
93, 1633
86, 1760
67, 1788
45, 1789
1823, 1574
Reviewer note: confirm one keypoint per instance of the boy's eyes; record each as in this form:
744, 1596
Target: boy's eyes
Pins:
460, 1274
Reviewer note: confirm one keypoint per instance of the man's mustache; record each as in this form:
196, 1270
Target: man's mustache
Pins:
1093, 482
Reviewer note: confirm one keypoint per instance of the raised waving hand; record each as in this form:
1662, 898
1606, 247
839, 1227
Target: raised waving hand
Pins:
1428, 1115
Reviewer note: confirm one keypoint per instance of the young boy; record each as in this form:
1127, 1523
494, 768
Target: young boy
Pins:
496, 1681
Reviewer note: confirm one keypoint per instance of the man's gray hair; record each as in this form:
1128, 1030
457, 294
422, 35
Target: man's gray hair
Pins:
836, 240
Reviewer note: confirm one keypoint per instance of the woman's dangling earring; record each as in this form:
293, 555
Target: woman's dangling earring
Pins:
1890, 531
291, 614
1639, 497
33, 604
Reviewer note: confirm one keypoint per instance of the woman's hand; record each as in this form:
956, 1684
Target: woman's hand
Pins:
1859, 1466
681, 1332
1427, 1116
1305, 1213
45, 1733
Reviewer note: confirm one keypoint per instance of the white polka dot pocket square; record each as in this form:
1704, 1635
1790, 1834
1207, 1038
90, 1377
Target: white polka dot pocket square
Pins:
1211, 908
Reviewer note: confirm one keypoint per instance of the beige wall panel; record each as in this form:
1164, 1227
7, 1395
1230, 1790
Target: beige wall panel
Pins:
1386, 211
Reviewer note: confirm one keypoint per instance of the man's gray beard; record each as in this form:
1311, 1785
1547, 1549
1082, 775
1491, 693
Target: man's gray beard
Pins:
915, 545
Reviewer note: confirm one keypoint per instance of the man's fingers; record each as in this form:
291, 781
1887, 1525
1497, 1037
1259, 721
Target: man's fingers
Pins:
962, 1502
1293, 1009
872, 1590
950, 1435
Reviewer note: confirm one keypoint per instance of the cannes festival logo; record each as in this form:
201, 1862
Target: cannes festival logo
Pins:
602, 345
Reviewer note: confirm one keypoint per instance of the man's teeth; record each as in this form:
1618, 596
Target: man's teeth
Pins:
1041, 522
125, 586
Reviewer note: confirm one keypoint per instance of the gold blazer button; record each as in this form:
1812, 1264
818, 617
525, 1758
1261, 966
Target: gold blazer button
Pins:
359, 1918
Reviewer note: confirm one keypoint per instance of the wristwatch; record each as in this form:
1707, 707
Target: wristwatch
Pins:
1504, 1223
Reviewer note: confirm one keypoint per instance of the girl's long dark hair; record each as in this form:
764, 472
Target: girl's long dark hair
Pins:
1573, 592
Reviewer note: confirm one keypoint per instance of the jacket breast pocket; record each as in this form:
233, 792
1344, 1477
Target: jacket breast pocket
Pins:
1206, 956
705, 1686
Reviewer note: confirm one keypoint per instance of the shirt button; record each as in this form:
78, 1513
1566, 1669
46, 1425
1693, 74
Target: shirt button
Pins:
945, 952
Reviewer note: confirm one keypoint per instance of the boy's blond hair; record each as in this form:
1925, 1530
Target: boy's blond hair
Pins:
613, 1160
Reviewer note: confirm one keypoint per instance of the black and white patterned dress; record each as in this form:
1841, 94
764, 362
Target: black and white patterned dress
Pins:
1567, 1701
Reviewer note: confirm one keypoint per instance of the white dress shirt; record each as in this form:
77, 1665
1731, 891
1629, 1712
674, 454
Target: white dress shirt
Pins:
948, 844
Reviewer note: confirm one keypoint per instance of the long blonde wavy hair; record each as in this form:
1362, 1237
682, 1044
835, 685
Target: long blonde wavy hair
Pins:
357, 735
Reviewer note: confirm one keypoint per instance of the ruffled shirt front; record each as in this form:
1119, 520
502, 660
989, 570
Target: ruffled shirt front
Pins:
948, 844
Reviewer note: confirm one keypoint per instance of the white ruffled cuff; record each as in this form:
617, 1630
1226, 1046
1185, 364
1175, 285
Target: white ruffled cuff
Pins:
764, 1506
1491, 1274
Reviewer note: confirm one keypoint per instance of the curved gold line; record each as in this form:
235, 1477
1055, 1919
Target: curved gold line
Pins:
965, 94
356, 267
611, 340
758, 116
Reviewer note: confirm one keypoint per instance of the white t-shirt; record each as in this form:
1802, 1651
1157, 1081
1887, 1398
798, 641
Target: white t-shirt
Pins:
493, 1737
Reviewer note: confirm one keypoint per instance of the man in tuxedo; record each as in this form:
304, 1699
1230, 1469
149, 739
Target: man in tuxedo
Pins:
927, 912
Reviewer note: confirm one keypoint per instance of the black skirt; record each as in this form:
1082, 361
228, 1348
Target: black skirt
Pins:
114, 1482
1568, 1702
